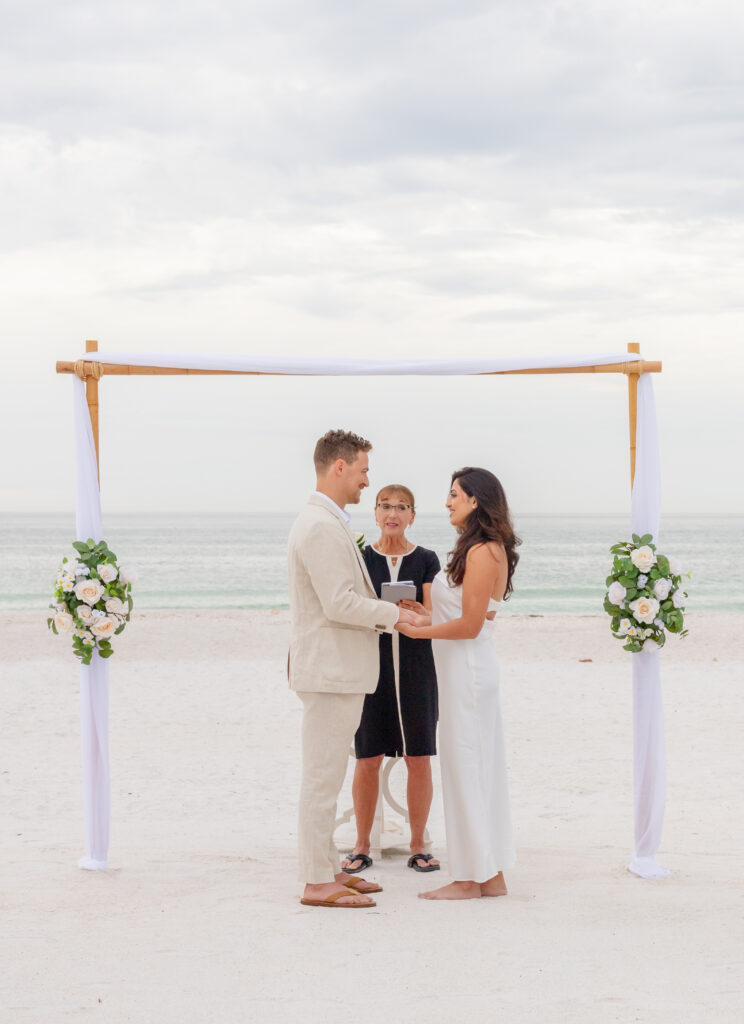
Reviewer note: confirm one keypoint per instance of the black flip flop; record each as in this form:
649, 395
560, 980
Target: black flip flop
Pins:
422, 856
366, 863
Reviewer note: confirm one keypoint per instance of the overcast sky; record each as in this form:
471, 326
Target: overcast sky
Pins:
413, 178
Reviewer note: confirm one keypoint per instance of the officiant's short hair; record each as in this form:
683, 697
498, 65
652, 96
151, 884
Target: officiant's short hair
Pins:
391, 489
339, 444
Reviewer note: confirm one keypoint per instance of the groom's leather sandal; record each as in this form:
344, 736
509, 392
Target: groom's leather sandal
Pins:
330, 901
354, 883
422, 856
366, 863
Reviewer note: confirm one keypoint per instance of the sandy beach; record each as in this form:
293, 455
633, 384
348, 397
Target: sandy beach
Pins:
198, 918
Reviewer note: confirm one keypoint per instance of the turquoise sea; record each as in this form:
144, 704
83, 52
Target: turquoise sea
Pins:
188, 561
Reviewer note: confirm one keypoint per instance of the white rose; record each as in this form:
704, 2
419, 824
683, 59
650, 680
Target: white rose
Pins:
103, 628
643, 558
89, 591
645, 609
64, 622
84, 613
115, 606
675, 566
662, 588
678, 598
616, 593
61, 607
127, 576
624, 627
107, 572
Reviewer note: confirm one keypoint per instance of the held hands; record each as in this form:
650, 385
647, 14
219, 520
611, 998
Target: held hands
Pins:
411, 621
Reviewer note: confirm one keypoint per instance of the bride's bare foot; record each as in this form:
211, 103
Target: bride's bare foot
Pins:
495, 886
454, 891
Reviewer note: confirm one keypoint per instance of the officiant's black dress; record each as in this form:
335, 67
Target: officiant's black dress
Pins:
400, 717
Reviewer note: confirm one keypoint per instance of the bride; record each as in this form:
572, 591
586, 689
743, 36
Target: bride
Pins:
465, 596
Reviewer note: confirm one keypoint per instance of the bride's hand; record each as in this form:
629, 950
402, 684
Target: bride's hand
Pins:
416, 606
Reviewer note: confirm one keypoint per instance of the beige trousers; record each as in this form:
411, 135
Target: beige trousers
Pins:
328, 726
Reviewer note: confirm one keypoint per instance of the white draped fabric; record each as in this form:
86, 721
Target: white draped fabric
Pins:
649, 759
648, 727
333, 367
94, 678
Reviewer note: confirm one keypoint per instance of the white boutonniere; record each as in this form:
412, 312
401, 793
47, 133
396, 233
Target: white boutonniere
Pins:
359, 538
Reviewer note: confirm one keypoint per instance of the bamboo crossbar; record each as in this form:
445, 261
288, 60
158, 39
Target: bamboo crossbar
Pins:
119, 370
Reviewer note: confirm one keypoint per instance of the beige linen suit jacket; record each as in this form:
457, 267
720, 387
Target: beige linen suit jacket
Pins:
336, 616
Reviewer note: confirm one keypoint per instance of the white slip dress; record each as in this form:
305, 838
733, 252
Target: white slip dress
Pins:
475, 792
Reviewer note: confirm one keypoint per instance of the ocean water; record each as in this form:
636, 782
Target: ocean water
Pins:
187, 561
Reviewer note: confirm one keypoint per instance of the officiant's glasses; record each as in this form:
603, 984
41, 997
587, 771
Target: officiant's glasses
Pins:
393, 508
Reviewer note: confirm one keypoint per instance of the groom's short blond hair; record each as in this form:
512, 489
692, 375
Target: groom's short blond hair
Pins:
339, 444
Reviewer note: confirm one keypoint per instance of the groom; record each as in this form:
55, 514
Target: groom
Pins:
333, 657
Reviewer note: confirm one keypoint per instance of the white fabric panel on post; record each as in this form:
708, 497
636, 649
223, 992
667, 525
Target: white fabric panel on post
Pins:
94, 678
649, 757
648, 725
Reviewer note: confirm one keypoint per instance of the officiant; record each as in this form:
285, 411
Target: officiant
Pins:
400, 718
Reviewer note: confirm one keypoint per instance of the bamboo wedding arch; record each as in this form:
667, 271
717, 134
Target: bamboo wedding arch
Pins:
648, 736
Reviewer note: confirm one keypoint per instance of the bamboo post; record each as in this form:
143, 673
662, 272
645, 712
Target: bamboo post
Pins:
91, 396
633, 346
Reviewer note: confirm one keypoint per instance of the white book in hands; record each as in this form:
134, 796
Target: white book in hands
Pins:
403, 590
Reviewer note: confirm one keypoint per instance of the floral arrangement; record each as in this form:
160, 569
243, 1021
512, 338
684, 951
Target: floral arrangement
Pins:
359, 538
644, 594
92, 599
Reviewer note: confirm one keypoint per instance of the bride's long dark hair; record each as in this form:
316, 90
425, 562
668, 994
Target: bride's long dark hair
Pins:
489, 520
